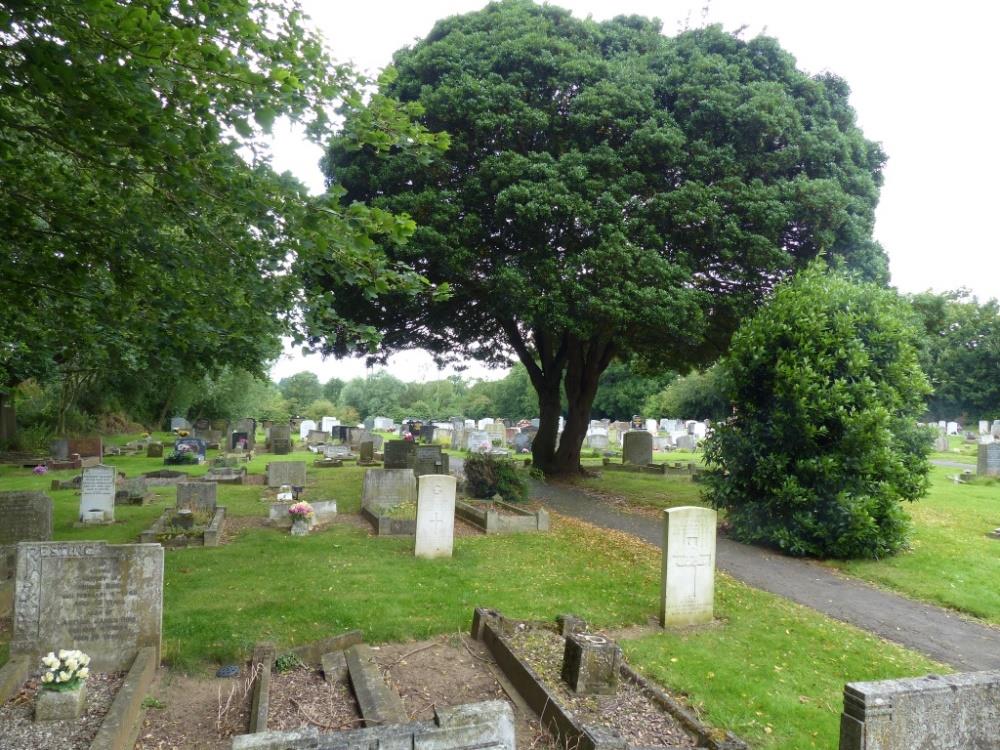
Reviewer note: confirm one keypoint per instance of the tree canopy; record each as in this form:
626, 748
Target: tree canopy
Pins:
823, 446
608, 192
144, 230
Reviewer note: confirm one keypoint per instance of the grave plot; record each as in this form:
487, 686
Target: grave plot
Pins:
585, 693
196, 521
499, 517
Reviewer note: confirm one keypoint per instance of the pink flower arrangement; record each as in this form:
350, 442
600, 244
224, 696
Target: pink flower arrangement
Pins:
301, 510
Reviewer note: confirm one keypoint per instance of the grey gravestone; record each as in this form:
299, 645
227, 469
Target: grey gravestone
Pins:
132, 491
941, 444
477, 441
387, 488
428, 459
591, 664
687, 442
24, 517
97, 492
292, 473
154, 450
989, 460
197, 495
995, 428
638, 448
399, 454
337, 451
106, 600
367, 452
950, 712
316, 437
59, 449
179, 423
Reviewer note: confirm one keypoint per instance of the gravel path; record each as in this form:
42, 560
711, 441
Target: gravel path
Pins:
941, 634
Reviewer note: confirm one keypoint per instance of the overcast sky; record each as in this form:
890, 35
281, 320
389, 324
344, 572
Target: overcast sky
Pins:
924, 83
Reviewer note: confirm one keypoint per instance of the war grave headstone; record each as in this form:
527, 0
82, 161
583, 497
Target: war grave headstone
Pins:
399, 454
988, 463
943, 712
24, 517
286, 472
688, 593
429, 459
306, 426
197, 496
106, 600
97, 495
281, 439
638, 448
435, 516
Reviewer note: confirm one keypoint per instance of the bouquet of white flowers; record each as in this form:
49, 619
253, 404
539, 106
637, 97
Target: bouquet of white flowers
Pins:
65, 670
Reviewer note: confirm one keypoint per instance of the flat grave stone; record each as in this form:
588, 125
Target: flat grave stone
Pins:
197, 496
688, 593
435, 516
387, 488
97, 494
286, 472
106, 600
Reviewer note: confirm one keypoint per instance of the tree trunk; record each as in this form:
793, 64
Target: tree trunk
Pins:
543, 449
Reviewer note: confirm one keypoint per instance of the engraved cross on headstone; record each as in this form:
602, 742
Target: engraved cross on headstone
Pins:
691, 558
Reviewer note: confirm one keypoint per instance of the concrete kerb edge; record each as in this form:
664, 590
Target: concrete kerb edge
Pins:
260, 698
120, 727
12, 675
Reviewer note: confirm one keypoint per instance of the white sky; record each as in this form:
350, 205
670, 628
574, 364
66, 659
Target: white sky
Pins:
924, 81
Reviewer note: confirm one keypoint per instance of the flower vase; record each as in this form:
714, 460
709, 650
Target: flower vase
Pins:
58, 705
300, 526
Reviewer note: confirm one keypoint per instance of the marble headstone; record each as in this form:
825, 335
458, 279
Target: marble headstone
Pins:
435, 516
286, 472
106, 600
97, 492
688, 595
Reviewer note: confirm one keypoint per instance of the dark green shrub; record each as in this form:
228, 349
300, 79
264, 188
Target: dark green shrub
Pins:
824, 445
486, 476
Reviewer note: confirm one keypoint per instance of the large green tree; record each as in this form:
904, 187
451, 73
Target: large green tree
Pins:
144, 231
608, 192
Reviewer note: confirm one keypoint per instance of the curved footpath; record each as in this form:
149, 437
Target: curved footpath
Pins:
939, 633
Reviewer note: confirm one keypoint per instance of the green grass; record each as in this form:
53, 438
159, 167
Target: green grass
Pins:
747, 672
772, 672
952, 562
960, 451
644, 490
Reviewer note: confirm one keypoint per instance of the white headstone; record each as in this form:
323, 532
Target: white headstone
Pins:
652, 426
952, 428
698, 429
688, 596
328, 423
382, 423
485, 422
304, 427
942, 425
97, 492
478, 441
984, 427
995, 428
435, 516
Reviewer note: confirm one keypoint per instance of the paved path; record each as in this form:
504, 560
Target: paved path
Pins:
936, 632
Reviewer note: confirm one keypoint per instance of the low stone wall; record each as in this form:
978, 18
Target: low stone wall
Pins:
209, 538
951, 712
508, 520
120, 727
385, 526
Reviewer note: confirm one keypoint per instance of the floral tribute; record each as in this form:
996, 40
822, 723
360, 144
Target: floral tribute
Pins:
64, 671
301, 511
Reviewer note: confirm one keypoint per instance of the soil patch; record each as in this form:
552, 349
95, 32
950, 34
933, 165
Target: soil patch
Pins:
302, 697
18, 729
638, 719
236, 525
195, 713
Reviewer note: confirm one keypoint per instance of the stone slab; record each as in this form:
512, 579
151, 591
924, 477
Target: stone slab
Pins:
197, 496
106, 600
379, 704
637, 448
292, 473
121, 724
688, 592
25, 517
387, 488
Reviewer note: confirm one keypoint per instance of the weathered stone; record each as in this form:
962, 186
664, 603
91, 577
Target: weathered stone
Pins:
473, 726
638, 448
25, 517
286, 472
387, 488
88, 447
105, 600
197, 496
53, 705
134, 491
428, 459
316, 437
569, 624
280, 439
97, 493
951, 712
367, 452
688, 596
334, 666
154, 450
989, 460
379, 704
591, 664
435, 516
478, 441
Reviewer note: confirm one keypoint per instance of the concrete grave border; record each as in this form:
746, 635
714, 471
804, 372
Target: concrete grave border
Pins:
209, 537
515, 520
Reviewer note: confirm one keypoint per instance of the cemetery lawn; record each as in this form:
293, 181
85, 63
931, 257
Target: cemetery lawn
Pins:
960, 451
643, 491
769, 670
952, 562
